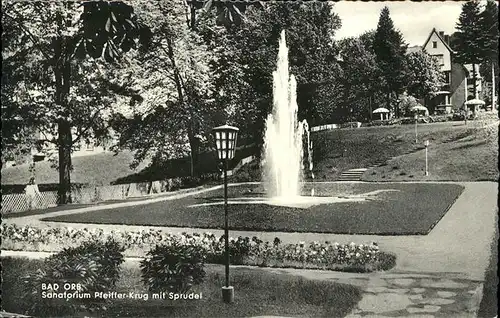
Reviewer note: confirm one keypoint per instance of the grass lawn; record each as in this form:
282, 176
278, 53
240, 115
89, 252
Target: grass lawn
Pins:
457, 152
99, 169
489, 303
257, 293
411, 209
468, 156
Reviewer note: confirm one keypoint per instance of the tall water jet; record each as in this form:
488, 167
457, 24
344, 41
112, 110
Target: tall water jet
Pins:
283, 149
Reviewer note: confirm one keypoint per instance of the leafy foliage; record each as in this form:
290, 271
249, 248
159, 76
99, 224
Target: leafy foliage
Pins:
407, 103
468, 44
94, 265
173, 77
424, 74
490, 33
174, 268
361, 80
246, 59
46, 79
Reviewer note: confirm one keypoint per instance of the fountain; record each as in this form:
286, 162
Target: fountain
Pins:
283, 144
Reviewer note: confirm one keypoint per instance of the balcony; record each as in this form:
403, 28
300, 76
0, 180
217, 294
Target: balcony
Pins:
445, 87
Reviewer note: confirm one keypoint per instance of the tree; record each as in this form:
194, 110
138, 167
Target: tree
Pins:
176, 68
490, 34
390, 51
407, 103
53, 39
246, 59
228, 13
175, 81
469, 39
361, 79
424, 75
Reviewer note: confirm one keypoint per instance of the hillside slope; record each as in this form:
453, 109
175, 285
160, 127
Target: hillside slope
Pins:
99, 169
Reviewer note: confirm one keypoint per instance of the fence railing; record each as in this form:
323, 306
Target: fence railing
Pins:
20, 202
324, 127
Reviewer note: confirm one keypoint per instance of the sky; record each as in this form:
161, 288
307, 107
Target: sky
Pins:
415, 20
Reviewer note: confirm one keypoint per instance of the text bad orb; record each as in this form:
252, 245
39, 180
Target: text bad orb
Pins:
65, 286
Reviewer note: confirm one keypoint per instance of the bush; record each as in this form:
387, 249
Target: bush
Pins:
173, 268
108, 255
94, 266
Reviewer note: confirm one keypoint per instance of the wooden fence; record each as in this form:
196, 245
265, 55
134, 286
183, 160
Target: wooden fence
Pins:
20, 202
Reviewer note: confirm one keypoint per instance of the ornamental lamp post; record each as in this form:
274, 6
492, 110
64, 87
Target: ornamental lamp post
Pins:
416, 124
426, 144
225, 144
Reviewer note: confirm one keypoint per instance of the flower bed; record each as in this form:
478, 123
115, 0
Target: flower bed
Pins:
243, 250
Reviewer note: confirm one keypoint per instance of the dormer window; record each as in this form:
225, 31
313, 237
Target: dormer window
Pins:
434, 44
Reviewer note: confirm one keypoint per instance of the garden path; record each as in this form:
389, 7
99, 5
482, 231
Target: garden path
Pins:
458, 243
439, 274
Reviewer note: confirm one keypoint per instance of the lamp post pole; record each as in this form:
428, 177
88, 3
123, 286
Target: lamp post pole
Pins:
225, 143
416, 121
226, 224
426, 161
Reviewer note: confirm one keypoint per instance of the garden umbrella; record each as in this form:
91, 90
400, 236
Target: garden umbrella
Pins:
381, 111
418, 108
474, 101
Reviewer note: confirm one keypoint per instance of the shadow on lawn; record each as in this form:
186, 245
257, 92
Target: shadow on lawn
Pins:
257, 292
181, 167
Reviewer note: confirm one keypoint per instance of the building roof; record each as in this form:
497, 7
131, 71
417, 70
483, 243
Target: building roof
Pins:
440, 38
413, 49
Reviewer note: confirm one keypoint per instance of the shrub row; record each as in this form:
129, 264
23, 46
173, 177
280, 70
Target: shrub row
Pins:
243, 250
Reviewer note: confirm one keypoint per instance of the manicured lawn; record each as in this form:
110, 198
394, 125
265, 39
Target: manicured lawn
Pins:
457, 152
469, 156
411, 209
257, 293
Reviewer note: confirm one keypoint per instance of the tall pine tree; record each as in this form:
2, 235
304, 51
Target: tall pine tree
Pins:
390, 51
469, 41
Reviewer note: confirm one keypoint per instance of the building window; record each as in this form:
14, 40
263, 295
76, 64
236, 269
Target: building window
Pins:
434, 44
447, 77
440, 59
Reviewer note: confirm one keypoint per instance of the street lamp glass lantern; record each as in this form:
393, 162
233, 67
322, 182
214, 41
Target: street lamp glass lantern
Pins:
225, 141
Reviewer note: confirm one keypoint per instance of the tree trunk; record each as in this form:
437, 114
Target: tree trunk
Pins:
193, 18
65, 140
493, 107
62, 72
370, 107
388, 101
192, 127
474, 80
194, 144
